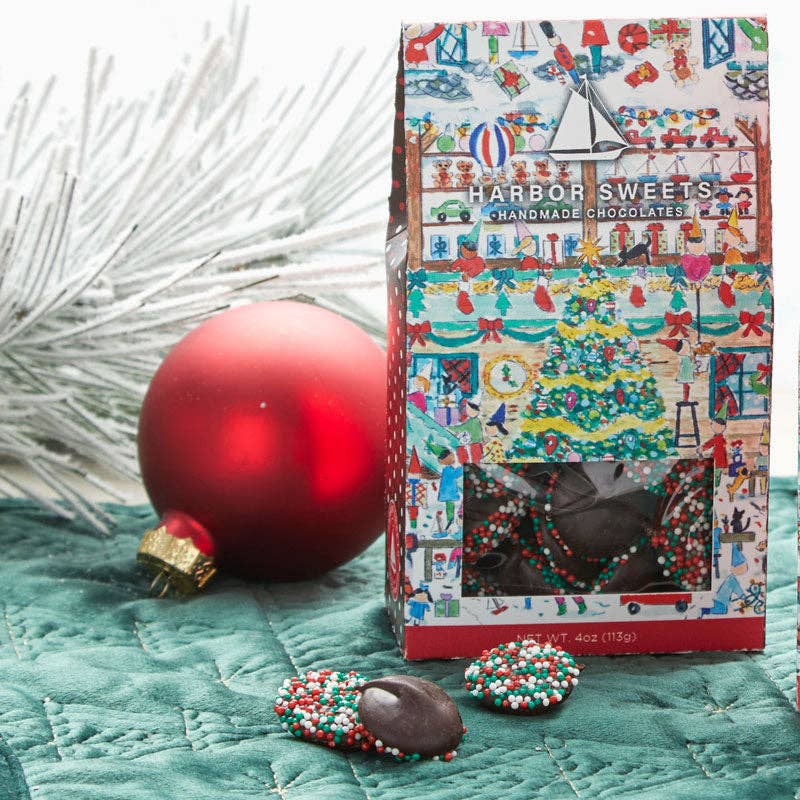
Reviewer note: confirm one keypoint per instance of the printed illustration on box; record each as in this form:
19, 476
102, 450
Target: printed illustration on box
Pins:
581, 334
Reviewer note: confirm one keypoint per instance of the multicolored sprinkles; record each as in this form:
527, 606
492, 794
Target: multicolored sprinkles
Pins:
322, 707
522, 677
680, 532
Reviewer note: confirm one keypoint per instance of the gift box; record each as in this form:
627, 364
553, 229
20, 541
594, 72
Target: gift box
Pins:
621, 237
510, 79
446, 606
447, 410
446, 415
439, 247
605, 314
657, 237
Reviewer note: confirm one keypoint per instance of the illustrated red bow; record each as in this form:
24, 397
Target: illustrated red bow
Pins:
763, 372
752, 323
491, 326
678, 322
417, 331
670, 28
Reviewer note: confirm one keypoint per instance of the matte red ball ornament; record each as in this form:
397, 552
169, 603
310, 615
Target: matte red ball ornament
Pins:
261, 444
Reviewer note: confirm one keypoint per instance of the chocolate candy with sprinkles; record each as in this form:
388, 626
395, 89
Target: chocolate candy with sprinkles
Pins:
587, 528
522, 677
402, 716
407, 714
322, 707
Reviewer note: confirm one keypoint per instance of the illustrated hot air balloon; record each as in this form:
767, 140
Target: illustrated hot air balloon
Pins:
491, 145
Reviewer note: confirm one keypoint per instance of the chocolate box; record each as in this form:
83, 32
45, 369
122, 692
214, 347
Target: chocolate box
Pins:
580, 336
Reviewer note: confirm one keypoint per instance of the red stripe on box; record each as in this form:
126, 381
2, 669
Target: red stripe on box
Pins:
589, 638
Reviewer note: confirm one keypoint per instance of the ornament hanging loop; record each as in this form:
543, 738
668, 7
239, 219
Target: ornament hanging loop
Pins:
161, 580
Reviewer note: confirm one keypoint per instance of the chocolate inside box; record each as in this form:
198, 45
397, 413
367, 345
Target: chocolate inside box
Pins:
593, 527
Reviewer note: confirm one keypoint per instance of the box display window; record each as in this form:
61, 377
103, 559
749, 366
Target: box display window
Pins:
604, 527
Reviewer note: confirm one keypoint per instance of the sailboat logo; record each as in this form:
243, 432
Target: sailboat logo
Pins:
586, 131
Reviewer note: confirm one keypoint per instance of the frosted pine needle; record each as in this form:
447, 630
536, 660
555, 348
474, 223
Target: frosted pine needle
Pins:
126, 224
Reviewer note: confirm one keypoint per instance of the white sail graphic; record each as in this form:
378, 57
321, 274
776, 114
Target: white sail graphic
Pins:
586, 131
573, 133
606, 132
525, 44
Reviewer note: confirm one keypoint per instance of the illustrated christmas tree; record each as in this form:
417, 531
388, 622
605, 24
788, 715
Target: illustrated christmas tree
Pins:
416, 302
595, 395
503, 303
678, 301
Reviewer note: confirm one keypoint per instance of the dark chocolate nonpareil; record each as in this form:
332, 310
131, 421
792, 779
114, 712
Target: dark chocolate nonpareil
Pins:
411, 714
522, 677
588, 527
402, 716
599, 510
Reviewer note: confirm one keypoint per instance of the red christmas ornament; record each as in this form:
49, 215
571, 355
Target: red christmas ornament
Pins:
261, 444
550, 444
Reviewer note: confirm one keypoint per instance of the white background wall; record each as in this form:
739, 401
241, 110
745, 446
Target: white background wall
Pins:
291, 42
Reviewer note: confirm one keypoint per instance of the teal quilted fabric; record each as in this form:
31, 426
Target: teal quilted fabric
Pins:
107, 694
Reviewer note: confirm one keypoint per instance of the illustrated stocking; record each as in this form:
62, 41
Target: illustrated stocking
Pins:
542, 297
463, 303
725, 290
637, 297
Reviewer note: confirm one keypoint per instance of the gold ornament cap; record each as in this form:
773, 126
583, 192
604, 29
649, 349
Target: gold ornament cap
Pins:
176, 561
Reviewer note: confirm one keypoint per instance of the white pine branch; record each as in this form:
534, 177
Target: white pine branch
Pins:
126, 224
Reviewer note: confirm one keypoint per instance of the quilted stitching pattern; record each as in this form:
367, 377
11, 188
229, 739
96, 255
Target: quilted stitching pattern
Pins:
106, 693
